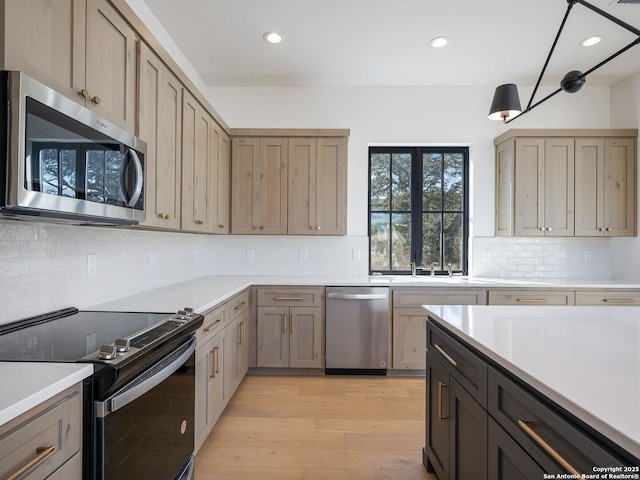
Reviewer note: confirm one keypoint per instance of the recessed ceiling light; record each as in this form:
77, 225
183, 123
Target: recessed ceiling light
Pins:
591, 41
439, 42
273, 37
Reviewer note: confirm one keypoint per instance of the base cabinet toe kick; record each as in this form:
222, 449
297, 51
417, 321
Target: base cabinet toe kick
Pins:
484, 423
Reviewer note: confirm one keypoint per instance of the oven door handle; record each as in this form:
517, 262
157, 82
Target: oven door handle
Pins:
147, 380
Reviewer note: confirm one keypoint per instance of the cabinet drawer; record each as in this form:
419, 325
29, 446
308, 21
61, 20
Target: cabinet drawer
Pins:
214, 321
469, 369
531, 297
506, 459
55, 425
303, 297
608, 297
416, 297
524, 416
238, 305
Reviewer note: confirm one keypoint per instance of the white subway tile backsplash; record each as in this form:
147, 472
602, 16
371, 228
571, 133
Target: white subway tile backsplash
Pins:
557, 257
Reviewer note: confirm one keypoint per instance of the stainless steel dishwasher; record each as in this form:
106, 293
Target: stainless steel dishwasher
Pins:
357, 330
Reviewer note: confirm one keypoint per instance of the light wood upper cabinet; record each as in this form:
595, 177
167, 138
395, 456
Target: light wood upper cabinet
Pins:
317, 186
259, 186
544, 187
160, 125
46, 40
83, 49
110, 81
221, 164
581, 184
197, 171
605, 187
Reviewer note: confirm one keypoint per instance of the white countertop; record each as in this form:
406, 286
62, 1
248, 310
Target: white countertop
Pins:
205, 292
585, 359
26, 385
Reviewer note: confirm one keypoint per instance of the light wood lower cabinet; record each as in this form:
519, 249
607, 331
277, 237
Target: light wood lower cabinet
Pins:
49, 435
409, 320
531, 296
608, 297
290, 329
221, 362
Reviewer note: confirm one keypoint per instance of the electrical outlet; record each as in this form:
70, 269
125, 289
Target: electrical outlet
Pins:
152, 259
90, 343
303, 254
92, 265
355, 254
250, 254
586, 255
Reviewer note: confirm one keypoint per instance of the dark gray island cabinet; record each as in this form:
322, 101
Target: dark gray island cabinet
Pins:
484, 423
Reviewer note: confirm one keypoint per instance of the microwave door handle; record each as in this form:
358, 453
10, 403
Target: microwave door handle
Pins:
137, 189
130, 394
130, 201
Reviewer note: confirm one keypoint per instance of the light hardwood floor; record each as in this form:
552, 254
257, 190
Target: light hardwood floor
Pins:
318, 428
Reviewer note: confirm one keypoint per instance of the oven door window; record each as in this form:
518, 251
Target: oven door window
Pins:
151, 437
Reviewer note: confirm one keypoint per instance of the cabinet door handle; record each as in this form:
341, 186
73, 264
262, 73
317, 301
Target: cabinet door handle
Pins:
208, 329
214, 361
243, 336
293, 323
447, 357
42, 453
84, 92
619, 300
440, 387
528, 428
199, 222
289, 298
96, 100
284, 323
532, 300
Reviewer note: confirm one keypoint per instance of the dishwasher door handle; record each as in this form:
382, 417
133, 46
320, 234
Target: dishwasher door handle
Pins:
357, 296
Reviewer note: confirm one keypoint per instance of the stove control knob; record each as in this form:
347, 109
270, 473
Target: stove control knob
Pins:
188, 312
107, 352
122, 345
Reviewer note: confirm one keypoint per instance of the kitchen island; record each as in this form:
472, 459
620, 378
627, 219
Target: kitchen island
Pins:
569, 376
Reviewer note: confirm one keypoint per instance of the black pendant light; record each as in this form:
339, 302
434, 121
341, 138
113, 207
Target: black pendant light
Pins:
506, 103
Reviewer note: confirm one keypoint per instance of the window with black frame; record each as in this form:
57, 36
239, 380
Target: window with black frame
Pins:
418, 209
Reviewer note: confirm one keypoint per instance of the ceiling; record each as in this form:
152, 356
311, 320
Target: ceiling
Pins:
386, 42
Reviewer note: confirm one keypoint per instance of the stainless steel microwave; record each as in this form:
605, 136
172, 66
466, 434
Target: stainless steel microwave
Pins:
64, 163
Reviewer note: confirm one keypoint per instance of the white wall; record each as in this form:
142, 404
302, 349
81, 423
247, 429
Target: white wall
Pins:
625, 113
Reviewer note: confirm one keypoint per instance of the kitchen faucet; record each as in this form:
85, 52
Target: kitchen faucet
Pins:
414, 269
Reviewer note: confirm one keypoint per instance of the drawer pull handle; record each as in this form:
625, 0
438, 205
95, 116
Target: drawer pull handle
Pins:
243, 336
42, 453
289, 298
619, 300
239, 306
447, 357
208, 329
532, 300
293, 323
440, 387
284, 323
528, 428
